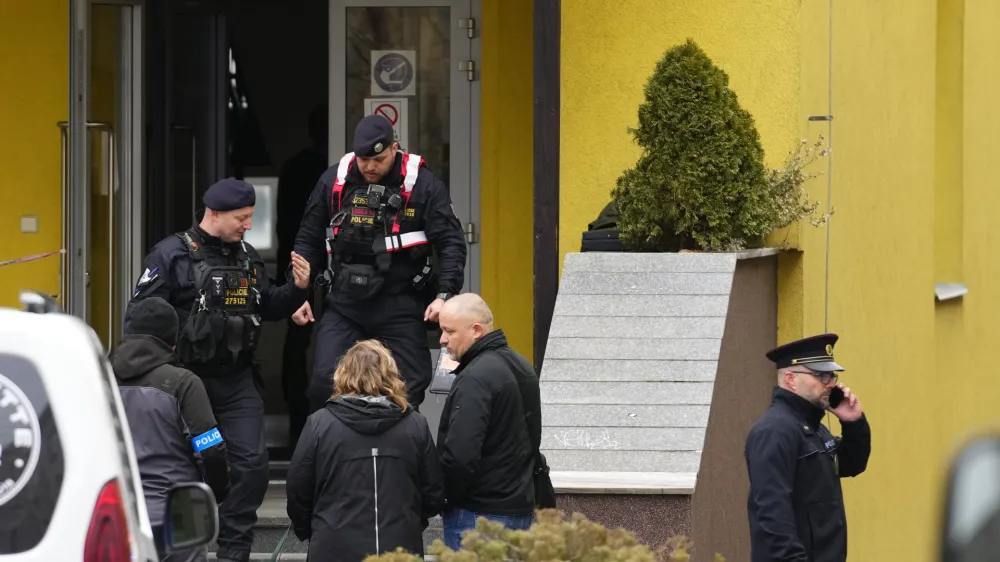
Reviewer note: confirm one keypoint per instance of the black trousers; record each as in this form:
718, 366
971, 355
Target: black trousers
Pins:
239, 410
295, 377
395, 320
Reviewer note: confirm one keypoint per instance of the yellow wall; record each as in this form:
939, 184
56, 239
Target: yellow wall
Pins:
507, 187
968, 366
913, 198
34, 69
609, 50
881, 276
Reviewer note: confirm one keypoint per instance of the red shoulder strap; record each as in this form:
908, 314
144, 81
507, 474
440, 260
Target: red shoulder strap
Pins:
411, 169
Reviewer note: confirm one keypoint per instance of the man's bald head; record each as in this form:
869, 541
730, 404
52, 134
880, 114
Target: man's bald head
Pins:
470, 306
464, 319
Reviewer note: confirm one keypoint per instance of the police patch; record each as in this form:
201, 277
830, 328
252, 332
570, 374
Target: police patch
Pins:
206, 440
147, 277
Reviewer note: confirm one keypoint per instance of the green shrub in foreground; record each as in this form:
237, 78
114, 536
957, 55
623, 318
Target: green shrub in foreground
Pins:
554, 536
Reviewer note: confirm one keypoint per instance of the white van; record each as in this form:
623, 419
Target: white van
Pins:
69, 484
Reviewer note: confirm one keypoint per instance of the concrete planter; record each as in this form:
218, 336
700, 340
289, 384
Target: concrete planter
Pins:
654, 371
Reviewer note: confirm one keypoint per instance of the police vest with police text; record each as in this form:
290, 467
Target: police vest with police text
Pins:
359, 227
394, 241
225, 310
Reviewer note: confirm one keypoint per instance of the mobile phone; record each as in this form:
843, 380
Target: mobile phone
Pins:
836, 397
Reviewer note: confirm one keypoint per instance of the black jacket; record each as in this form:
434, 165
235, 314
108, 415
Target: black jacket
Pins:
795, 504
171, 422
486, 443
169, 274
433, 213
364, 479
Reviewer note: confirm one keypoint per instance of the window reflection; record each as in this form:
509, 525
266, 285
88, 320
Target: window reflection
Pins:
427, 31
262, 236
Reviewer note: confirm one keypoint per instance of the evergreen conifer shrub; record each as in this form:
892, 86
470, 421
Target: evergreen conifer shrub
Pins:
700, 182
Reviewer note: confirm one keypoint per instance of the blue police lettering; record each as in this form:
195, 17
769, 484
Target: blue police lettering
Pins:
206, 440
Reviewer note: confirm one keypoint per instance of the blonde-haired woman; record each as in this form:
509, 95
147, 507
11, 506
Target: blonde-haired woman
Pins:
365, 476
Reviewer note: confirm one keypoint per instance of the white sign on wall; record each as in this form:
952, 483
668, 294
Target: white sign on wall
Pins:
393, 109
394, 73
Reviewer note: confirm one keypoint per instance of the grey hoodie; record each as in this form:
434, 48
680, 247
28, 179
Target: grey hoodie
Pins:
174, 431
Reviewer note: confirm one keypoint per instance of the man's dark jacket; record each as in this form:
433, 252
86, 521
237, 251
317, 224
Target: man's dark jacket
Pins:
487, 446
433, 213
168, 410
364, 479
795, 504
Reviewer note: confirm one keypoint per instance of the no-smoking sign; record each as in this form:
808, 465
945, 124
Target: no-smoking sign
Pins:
394, 110
388, 111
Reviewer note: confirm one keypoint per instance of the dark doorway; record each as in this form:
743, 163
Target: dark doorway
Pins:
233, 89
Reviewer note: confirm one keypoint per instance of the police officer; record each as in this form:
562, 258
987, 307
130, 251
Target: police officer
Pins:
219, 287
795, 504
368, 231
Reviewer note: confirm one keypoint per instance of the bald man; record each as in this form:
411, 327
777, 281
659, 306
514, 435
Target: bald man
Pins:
491, 425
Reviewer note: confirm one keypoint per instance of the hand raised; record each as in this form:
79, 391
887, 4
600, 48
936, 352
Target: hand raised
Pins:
301, 271
849, 408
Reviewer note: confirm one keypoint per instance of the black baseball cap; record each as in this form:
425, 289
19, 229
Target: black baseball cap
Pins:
372, 136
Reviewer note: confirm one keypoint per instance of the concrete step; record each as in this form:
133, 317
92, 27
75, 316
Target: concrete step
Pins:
272, 522
279, 469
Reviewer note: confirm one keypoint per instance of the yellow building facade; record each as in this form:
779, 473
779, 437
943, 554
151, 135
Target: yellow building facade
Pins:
908, 84
34, 67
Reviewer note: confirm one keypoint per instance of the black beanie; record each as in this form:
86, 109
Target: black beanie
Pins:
229, 194
154, 317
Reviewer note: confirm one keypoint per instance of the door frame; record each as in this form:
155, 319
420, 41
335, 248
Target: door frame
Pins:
127, 153
468, 151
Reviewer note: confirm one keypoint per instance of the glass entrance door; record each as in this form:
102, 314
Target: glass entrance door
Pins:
102, 200
415, 62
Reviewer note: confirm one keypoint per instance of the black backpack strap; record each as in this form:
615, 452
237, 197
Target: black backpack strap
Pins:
194, 250
201, 267
544, 492
507, 356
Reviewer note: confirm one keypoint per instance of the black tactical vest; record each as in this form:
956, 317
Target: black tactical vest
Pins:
364, 232
224, 321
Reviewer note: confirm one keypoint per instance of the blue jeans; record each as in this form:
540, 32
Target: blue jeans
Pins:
457, 521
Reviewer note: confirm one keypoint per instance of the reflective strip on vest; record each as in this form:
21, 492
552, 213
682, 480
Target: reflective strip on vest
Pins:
411, 169
338, 185
405, 240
